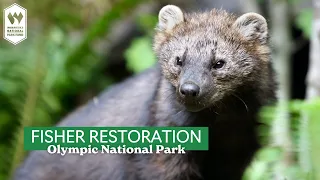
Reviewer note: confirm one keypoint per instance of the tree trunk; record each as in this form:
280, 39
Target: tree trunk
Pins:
313, 77
309, 126
281, 43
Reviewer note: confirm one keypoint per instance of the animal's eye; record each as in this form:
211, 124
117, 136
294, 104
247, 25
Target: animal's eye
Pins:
219, 64
178, 61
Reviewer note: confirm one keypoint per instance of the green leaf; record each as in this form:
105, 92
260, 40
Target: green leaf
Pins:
269, 154
304, 22
147, 22
139, 55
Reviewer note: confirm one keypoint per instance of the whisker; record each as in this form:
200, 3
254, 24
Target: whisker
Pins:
221, 102
214, 110
169, 96
178, 112
241, 101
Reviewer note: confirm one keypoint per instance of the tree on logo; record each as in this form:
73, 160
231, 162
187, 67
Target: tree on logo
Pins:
15, 16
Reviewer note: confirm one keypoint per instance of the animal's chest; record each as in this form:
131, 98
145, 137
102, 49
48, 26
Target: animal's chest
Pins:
232, 144
231, 148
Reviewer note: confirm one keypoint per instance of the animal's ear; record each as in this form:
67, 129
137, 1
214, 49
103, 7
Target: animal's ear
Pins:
169, 17
252, 26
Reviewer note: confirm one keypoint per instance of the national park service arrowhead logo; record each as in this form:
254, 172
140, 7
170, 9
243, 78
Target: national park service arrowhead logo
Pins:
15, 24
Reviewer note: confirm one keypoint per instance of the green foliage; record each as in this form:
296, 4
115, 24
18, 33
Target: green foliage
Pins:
260, 167
100, 28
265, 160
27, 109
293, 1
312, 109
140, 55
304, 22
147, 22
260, 1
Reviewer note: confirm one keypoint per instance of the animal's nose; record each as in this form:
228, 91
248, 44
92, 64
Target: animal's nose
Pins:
189, 89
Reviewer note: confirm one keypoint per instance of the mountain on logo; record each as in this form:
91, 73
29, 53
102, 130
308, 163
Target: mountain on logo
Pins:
15, 16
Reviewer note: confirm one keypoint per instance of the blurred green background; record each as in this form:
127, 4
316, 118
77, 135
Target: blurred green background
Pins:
77, 48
